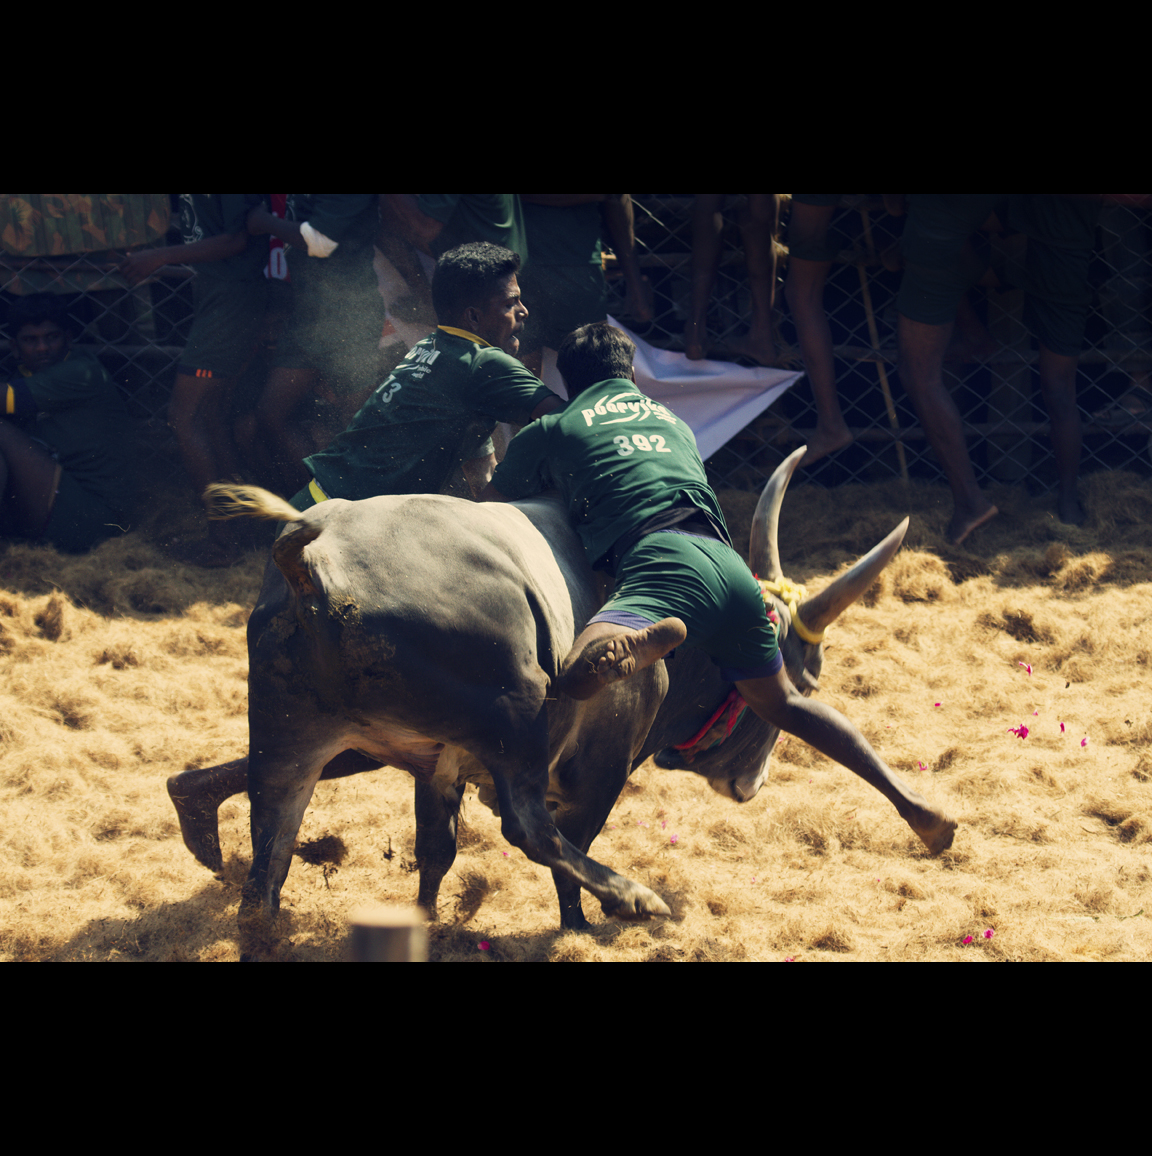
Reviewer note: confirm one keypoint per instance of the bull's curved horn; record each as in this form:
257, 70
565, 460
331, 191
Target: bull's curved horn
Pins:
824, 608
763, 552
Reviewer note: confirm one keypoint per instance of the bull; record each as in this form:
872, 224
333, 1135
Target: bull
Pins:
425, 633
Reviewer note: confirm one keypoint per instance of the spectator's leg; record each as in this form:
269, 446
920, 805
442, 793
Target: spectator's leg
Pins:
29, 476
707, 225
618, 217
198, 416
759, 224
287, 440
922, 349
804, 290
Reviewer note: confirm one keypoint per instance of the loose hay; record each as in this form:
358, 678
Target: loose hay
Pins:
121, 668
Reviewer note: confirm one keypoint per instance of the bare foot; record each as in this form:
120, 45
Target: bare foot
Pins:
622, 655
960, 526
821, 444
934, 828
606, 660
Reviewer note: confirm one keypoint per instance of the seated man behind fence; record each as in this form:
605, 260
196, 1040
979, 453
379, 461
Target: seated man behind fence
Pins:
65, 450
637, 493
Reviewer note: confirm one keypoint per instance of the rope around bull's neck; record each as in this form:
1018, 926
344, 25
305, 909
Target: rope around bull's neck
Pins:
792, 594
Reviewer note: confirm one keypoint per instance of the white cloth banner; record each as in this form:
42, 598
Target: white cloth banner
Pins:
716, 398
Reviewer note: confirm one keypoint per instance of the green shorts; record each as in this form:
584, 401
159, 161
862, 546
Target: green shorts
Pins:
79, 520
225, 327
706, 584
560, 298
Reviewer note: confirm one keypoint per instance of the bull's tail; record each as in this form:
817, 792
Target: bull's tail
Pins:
253, 502
248, 502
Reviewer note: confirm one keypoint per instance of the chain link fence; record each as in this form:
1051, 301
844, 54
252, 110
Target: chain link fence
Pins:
998, 396
139, 333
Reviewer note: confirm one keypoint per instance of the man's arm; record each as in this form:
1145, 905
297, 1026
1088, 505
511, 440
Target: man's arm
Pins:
261, 222
478, 474
138, 267
410, 222
491, 494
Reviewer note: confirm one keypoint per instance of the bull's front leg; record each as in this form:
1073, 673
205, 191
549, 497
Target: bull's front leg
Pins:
436, 818
520, 775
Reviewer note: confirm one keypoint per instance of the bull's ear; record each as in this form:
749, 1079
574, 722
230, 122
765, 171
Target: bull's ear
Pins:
763, 552
818, 612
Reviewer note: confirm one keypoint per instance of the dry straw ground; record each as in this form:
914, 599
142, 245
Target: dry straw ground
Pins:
119, 669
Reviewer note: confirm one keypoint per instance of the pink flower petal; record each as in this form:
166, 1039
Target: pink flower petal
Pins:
920, 765
483, 945
1026, 665
1084, 741
789, 959
1035, 712
1021, 732
967, 940
674, 839
1061, 728
940, 703
989, 933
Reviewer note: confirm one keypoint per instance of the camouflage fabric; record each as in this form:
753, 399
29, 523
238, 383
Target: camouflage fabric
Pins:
86, 226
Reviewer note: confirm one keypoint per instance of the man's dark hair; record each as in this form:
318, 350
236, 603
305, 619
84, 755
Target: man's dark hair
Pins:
594, 353
35, 309
469, 275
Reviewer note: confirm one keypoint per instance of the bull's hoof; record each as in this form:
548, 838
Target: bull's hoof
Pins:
637, 905
199, 827
935, 829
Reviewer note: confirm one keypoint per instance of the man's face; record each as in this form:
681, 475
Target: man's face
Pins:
502, 318
41, 346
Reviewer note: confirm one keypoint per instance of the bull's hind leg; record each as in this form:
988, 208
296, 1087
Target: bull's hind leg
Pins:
197, 795
436, 816
279, 791
521, 780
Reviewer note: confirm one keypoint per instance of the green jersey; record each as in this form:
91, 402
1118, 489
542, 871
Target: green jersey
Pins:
618, 458
437, 408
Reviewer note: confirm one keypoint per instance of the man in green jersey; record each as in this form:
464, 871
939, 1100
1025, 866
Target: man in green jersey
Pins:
638, 496
65, 450
437, 409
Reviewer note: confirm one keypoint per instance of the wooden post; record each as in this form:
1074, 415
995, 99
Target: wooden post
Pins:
383, 934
